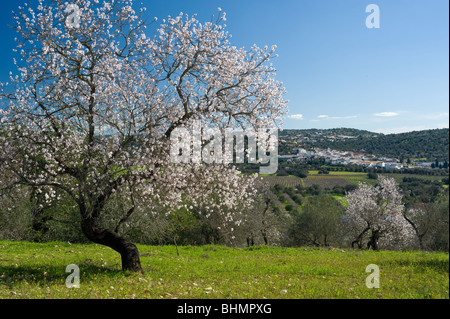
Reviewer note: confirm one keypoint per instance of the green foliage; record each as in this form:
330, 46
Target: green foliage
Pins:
317, 222
372, 175
440, 232
422, 190
289, 195
289, 207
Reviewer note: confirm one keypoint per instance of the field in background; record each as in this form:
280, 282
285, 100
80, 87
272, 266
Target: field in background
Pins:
333, 179
322, 180
285, 181
328, 182
31, 270
337, 178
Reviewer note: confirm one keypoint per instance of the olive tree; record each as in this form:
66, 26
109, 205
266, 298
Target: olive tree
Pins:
317, 223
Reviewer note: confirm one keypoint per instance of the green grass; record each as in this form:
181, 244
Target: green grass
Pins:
340, 198
31, 270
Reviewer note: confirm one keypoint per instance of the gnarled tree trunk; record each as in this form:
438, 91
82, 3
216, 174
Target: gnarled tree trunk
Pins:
127, 250
373, 241
359, 238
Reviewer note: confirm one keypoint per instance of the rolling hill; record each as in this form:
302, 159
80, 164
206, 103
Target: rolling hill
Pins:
427, 145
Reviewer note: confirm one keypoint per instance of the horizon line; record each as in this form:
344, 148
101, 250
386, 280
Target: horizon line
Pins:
376, 132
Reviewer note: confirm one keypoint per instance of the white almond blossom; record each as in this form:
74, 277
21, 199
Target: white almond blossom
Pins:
375, 214
93, 107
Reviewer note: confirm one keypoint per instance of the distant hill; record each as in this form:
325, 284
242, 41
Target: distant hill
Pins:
329, 132
427, 145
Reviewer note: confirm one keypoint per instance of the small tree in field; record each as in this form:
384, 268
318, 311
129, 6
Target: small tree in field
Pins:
375, 213
430, 223
317, 222
96, 101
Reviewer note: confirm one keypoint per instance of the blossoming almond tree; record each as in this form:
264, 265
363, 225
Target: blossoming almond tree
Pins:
96, 100
376, 213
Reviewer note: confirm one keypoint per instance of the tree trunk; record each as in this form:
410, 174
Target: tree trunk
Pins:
250, 241
373, 241
39, 217
127, 250
416, 230
420, 241
264, 235
359, 238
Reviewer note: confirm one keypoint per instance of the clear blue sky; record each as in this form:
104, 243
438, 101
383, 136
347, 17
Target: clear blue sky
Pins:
338, 73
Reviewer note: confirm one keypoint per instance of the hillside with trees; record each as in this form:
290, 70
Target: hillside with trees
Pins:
427, 145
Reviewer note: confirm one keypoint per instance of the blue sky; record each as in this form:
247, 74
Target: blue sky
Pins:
338, 73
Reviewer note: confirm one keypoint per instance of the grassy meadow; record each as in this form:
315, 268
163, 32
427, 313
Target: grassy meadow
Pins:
32, 270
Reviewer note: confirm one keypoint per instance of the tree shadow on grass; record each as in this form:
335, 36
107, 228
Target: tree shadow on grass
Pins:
44, 274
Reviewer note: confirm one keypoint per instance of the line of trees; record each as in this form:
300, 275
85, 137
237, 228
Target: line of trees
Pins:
368, 217
374, 217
